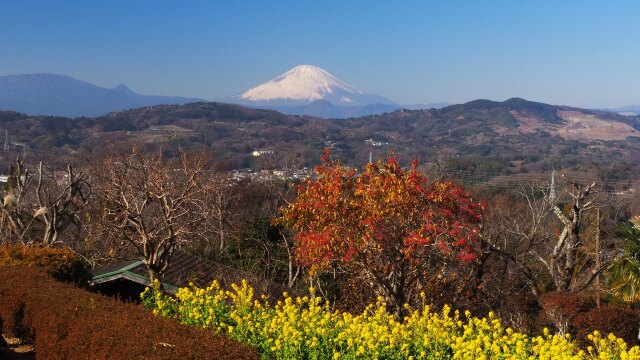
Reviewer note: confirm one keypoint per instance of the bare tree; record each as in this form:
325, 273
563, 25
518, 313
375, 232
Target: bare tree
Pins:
253, 242
562, 261
14, 212
221, 196
293, 268
51, 207
515, 229
524, 237
60, 201
153, 204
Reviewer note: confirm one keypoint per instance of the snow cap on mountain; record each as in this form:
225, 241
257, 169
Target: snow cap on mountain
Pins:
308, 83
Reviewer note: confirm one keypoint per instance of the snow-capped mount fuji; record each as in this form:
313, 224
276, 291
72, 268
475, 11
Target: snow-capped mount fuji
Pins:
308, 83
302, 89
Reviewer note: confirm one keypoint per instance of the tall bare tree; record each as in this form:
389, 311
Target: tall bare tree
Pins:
515, 228
221, 196
153, 203
60, 200
15, 216
524, 237
42, 213
562, 261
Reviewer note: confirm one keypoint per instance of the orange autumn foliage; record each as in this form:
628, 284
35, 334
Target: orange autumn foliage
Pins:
384, 221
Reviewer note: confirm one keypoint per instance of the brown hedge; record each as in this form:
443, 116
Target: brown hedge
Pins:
562, 307
69, 323
619, 319
61, 264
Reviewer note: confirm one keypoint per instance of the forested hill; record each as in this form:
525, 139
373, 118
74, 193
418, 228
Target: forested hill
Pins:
515, 134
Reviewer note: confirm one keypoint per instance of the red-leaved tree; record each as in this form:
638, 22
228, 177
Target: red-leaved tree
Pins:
382, 225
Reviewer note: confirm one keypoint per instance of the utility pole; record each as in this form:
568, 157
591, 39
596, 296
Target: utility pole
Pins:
552, 190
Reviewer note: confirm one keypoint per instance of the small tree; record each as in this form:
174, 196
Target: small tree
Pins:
153, 204
522, 235
221, 196
15, 215
624, 270
51, 207
563, 259
381, 225
60, 201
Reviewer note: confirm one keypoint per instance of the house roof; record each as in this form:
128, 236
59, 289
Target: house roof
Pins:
183, 269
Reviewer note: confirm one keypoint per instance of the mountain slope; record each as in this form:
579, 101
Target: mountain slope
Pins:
307, 83
60, 95
327, 110
310, 90
513, 135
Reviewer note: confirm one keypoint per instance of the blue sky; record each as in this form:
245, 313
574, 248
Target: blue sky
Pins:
581, 53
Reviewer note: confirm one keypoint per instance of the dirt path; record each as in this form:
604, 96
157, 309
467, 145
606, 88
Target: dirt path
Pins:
17, 351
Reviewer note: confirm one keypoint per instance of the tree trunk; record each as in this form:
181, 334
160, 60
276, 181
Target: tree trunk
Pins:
153, 276
399, 299
480, 271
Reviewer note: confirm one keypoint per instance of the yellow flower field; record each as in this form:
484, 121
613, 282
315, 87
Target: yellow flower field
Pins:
307, 328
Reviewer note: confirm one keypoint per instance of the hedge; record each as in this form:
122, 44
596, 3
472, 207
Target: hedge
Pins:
66, 322
619, 319
61, 264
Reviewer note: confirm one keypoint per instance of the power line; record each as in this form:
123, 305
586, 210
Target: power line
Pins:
552, 190
485, 176
500, 181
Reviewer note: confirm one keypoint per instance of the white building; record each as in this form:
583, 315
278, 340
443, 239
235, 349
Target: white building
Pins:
257, 153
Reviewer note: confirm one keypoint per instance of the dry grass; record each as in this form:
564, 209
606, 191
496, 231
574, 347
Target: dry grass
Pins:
584, 126
577, 126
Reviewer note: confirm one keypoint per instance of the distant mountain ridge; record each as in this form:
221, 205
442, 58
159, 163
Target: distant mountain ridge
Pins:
303, 90
513, 134
627, 110
327, 110
435, 105
62, 95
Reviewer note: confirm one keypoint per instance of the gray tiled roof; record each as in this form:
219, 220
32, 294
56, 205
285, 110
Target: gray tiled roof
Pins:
112, 266
183, 269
